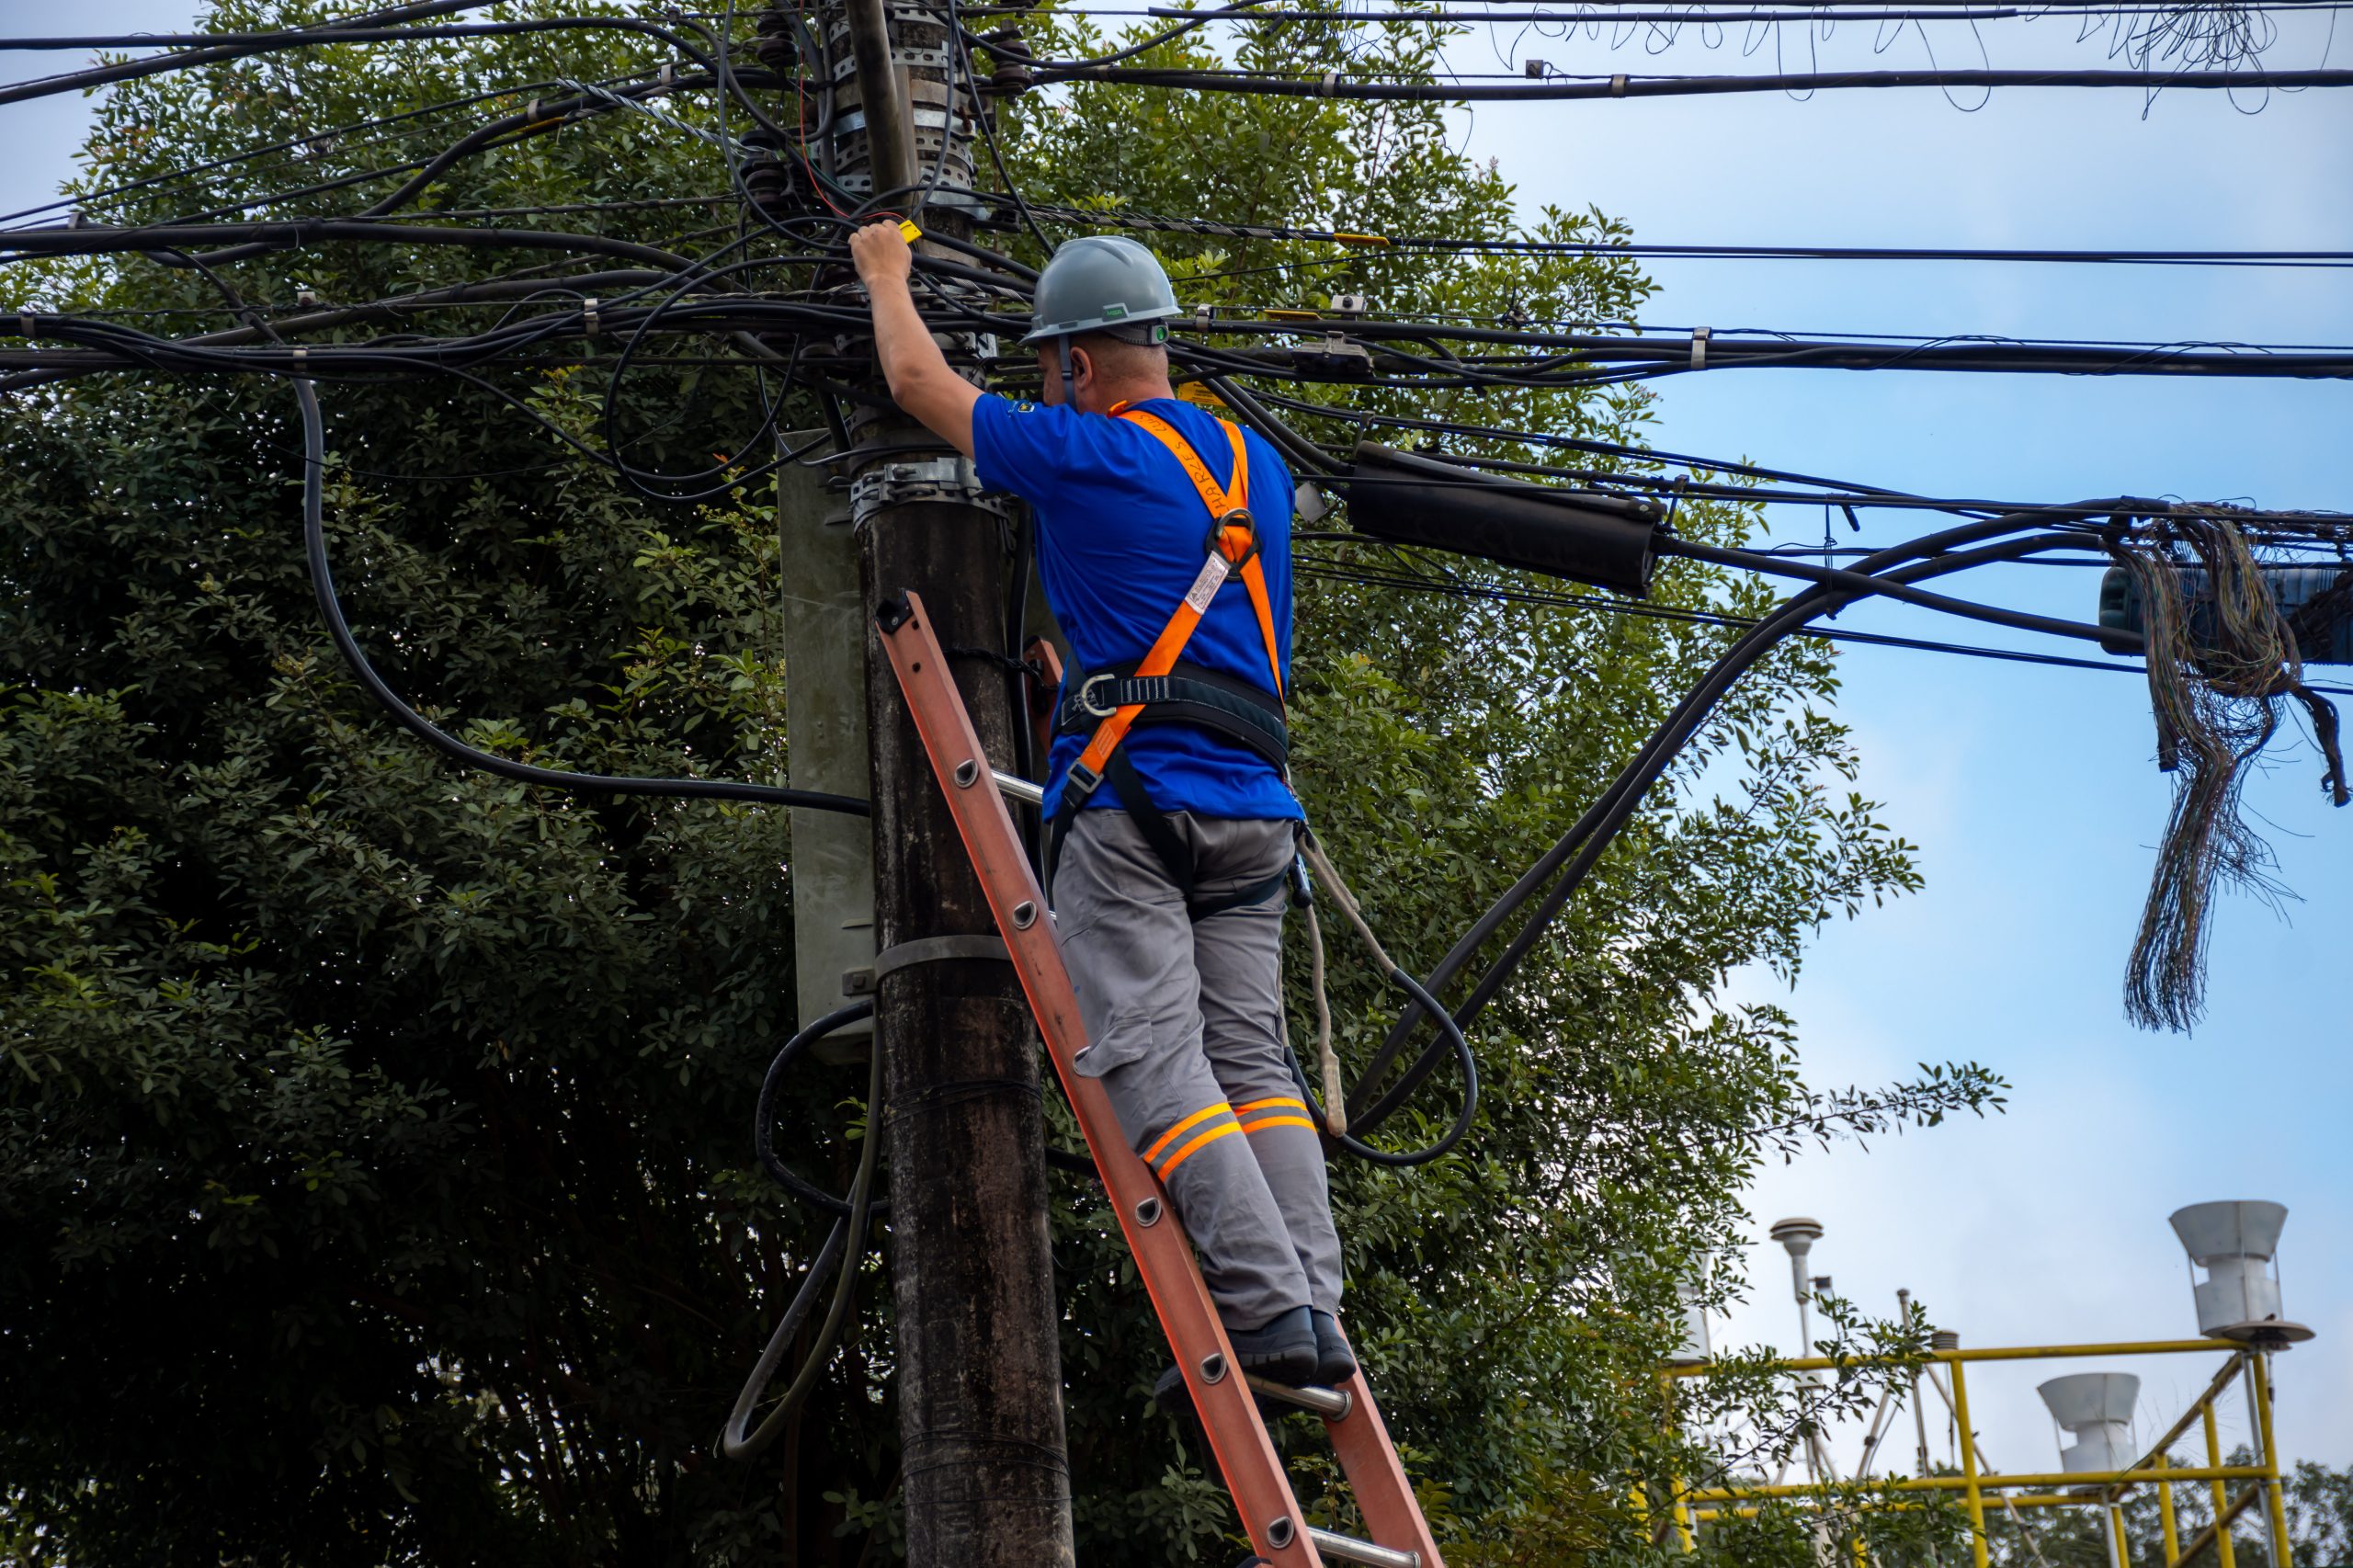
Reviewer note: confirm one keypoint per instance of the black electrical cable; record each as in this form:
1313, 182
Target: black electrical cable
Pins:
637, 479
113, 194
270, 234
1120, 218
342, 33
1026, 760
848, 1236
1430, 1006
763, 1136
1703, 349
987, 120
102, 75
1702, 15
1625, 86
1635, 778
1582, 846
410, 165
732, 92
331, 611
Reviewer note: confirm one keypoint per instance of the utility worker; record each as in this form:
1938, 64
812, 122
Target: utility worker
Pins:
1163, 544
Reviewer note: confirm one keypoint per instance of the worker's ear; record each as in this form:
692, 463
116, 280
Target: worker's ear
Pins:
1082, 370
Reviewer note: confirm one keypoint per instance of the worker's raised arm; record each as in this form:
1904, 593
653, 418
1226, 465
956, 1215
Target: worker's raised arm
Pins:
921, 381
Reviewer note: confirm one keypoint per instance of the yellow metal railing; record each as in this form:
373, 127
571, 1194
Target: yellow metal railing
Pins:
2104, 1489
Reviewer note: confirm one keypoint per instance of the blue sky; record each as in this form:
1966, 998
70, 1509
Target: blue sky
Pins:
2032, 793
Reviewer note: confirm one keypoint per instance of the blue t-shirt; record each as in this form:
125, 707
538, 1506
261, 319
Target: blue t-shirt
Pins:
1121, 535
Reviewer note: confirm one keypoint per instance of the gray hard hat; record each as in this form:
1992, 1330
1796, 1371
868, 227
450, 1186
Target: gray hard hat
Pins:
1100, 282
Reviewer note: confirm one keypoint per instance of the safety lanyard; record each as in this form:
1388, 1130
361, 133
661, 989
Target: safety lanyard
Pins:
1232, 545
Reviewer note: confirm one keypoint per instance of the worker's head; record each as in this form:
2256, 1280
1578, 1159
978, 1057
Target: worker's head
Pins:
1105, 368
1103, 305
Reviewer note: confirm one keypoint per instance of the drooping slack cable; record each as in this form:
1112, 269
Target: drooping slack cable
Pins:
315, 546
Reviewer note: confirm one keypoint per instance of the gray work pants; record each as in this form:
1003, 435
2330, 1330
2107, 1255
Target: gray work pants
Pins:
1185, 1023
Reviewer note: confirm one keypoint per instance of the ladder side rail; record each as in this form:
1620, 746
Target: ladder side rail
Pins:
1253, 1471
1377, 1476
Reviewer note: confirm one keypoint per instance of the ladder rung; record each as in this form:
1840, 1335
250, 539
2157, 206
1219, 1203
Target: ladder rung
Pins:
1331, 1404
1348, 1549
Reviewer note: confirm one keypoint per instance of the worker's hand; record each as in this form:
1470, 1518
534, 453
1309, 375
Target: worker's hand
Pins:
881, 254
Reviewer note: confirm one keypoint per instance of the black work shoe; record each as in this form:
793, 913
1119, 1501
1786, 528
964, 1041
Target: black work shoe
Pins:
1175, 1395
1335, 1363
1284, 1350
1281, 1351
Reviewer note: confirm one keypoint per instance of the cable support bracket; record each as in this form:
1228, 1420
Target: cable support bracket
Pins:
1336, 355
896, 18
948, 479
923, 950
1699, 335
918, 59
854, 121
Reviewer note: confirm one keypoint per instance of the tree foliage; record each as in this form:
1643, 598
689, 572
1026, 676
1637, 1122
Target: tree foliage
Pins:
374, 1184
2316, 1499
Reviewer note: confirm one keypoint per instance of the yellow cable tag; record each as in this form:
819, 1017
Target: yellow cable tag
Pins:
1200, 396
908, 231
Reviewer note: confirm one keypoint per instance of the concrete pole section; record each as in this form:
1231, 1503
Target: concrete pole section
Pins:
825, 660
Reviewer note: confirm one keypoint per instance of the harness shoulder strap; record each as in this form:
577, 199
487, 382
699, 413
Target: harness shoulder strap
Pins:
1218, 498
1223, 501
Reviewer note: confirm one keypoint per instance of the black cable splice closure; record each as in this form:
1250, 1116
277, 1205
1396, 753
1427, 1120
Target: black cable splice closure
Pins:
1610, 541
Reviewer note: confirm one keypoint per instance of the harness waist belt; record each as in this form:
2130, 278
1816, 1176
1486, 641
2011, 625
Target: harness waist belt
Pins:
1190, 693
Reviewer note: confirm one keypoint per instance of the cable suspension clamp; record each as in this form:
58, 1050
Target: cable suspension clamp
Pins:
938, 949
1618, 85
1699, 335
949, 478
591, 321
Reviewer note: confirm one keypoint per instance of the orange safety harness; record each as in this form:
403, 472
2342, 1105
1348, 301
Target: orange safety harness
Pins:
1163, 687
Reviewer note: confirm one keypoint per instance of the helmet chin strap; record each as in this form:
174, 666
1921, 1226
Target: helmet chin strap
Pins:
1070, 382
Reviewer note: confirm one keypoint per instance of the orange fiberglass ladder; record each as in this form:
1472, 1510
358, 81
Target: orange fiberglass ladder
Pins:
1229, 1413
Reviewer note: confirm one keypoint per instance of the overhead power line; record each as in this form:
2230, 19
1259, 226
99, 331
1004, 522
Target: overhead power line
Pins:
1611, 13
1323, 570
1155, 222
1333, 84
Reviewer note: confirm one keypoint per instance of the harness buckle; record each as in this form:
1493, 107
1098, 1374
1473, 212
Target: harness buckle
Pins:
1086, 702
1239, 518
1078, 784
1302, 889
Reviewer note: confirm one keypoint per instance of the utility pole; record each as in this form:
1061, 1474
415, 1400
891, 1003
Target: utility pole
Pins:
983, 1472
